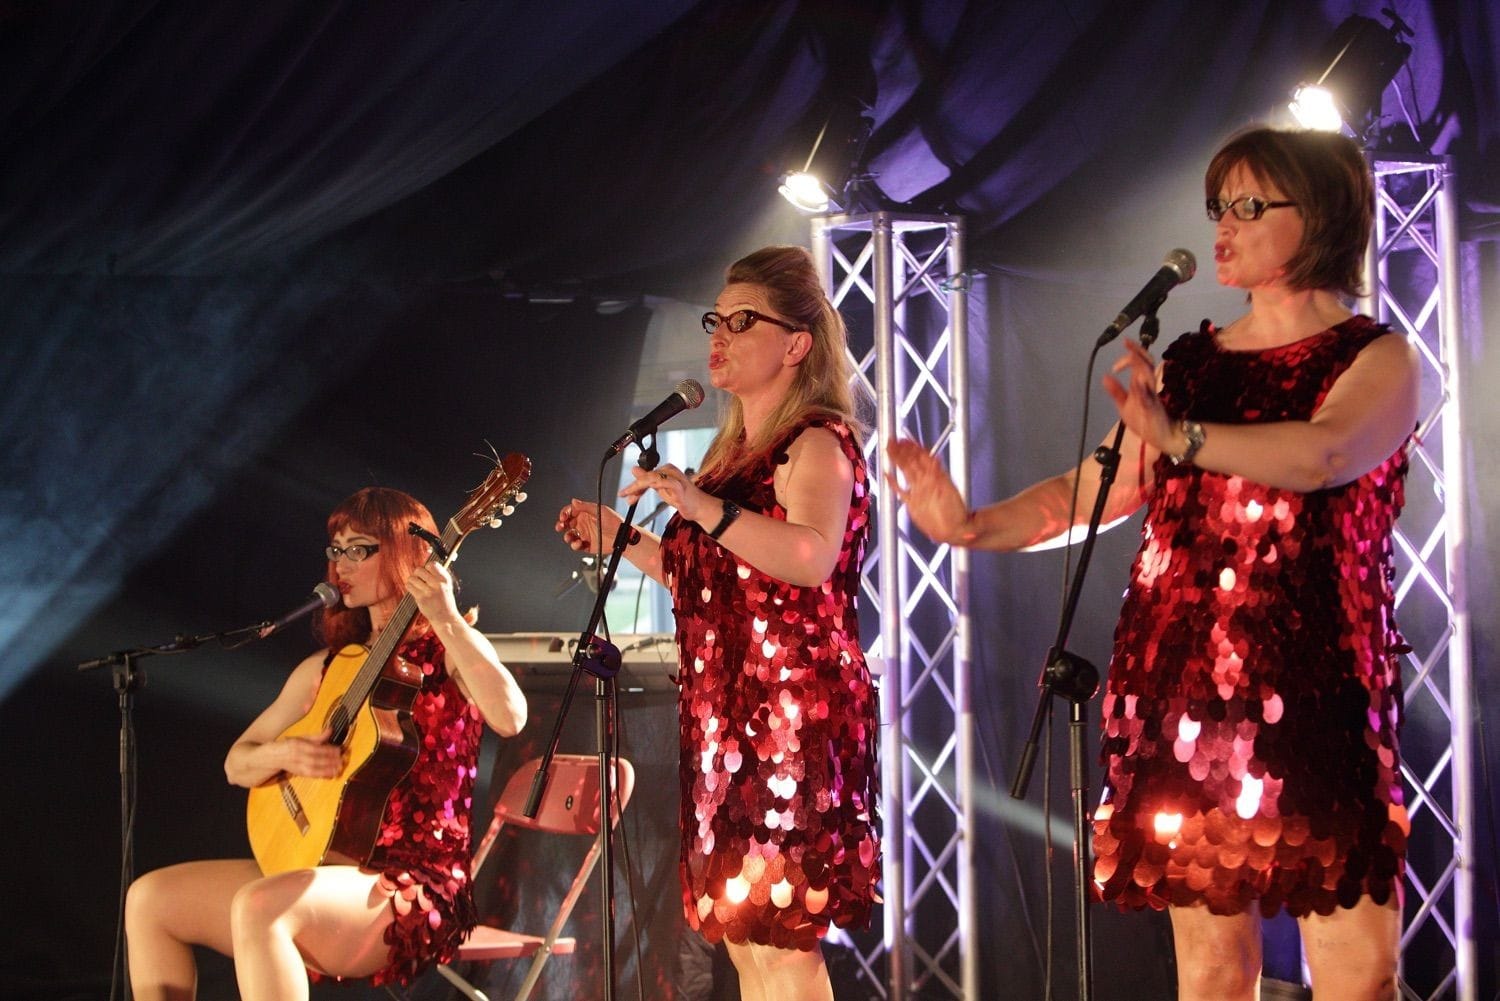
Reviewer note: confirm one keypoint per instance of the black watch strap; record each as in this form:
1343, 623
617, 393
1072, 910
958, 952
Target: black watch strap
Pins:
731, 512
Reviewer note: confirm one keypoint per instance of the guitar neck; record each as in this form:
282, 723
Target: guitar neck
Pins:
390, 636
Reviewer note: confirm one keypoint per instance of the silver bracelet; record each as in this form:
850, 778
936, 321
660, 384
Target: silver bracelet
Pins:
1195, 438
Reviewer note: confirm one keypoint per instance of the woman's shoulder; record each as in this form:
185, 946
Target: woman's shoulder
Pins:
1380, 341
313, 665
1365, 330
818, 431
1193, 342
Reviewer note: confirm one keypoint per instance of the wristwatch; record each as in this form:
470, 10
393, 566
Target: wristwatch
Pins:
1195, 436
731, 512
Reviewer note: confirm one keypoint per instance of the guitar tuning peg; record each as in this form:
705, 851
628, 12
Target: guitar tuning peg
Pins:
494, 522
520, 497
508, 510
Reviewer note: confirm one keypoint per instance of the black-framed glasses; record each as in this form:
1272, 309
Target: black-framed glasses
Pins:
357, 553
740, 320
1247, 207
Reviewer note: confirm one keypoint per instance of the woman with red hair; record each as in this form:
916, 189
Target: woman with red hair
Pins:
410, 904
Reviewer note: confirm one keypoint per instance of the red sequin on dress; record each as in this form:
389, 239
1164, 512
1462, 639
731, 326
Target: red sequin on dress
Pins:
777, 719
422, 850
1254, 697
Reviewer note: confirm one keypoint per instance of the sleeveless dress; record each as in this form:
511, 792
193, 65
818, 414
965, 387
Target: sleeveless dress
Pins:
777, 717
422, 850
1253, 702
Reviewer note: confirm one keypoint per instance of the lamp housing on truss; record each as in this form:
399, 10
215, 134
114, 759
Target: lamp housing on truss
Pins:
827, 181
1361, 59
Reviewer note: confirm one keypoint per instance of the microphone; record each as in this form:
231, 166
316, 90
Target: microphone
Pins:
1180, 266
686, 396
324, 595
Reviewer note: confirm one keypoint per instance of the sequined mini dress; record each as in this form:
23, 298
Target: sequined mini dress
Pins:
777, 718
1253, 700
422, 849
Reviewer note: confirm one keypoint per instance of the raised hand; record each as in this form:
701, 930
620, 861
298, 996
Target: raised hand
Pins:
1135, 397
672, 485
431, 586
930, 495
578, 524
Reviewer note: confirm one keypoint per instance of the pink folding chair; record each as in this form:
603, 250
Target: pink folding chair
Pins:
570, 806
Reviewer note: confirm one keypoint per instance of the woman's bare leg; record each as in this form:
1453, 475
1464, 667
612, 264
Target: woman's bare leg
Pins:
781, 974
751, 988
332, 918
1218, 956
1351, 953
168, 911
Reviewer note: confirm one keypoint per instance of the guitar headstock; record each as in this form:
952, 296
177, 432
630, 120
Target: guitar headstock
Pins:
497, 495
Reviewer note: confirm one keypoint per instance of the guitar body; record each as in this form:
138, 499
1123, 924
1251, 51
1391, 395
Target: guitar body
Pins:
298, 822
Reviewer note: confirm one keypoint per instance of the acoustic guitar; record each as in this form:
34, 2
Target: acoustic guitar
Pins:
365, 700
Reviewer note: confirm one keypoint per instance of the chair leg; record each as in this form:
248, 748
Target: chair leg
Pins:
465, 988
533, 974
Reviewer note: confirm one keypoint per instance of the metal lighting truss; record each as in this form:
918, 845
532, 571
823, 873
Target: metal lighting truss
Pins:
1412, 274
898, 280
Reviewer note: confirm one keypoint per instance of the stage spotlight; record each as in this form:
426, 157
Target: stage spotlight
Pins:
829, 179
1314, 108
1361, 60
805, 191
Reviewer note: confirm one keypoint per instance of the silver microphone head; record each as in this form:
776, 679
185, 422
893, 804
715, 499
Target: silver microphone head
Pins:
692, 393
328, 594
1183, 263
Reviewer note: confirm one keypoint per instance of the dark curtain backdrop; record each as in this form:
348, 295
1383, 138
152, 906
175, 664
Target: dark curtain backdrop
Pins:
252, 260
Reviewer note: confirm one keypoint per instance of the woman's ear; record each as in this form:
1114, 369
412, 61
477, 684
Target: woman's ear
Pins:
798, 347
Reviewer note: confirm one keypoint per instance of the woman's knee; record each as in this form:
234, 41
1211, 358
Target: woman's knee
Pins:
1204, 977
1358, 969
1218, 956
1352, 953
259, 904
147, 899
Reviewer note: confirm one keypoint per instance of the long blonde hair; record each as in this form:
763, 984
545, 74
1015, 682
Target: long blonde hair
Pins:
822, 384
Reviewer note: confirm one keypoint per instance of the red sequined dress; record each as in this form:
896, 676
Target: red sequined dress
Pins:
777, 719
422, 850
1253, 701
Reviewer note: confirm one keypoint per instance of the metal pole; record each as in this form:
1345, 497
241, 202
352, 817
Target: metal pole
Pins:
958, 453
893, 686
1456, 543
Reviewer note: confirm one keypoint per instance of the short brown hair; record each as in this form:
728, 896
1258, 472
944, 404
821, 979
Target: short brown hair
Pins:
1326, 175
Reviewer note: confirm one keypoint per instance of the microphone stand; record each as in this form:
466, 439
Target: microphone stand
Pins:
601, 659
129, 679
1068, 676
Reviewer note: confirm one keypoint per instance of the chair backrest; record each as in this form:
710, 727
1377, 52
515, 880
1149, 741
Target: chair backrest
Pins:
570, 804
